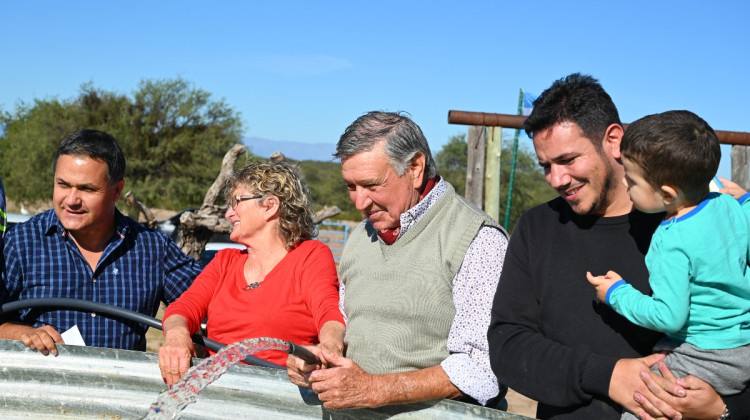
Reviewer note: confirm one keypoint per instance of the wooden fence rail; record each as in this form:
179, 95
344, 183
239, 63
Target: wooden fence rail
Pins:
739, 140
516, 121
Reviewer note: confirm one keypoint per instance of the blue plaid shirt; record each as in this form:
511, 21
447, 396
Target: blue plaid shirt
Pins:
138, 268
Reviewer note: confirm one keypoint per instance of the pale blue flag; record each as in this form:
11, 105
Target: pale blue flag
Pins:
528, 103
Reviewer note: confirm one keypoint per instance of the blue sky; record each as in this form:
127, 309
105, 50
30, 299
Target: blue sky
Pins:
303, 70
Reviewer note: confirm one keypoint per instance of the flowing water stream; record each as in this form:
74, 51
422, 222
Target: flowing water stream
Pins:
171, 402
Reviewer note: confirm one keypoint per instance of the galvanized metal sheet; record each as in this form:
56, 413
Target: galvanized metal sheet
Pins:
96, 383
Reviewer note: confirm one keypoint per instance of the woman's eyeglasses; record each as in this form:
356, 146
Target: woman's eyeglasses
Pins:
237, 199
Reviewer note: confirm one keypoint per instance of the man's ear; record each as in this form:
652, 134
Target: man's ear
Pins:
416, 170
118, 190
668, 194
612, 139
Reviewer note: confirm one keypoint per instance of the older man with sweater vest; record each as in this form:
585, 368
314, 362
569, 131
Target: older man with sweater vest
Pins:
417, 279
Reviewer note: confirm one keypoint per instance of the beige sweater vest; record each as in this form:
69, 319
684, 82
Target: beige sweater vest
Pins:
399, 298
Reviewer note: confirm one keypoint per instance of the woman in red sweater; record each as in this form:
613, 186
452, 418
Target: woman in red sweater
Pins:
284, 285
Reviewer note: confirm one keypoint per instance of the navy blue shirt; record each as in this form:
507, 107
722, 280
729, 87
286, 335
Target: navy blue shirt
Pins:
138, 268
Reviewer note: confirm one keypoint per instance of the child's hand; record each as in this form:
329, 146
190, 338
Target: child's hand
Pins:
603, 283
731, 188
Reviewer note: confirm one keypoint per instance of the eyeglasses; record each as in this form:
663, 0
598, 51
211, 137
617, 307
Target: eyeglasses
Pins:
236, 199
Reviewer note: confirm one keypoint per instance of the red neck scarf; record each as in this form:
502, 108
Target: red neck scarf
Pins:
389, 236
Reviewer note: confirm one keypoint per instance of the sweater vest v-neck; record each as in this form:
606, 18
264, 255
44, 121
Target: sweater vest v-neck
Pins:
399, 297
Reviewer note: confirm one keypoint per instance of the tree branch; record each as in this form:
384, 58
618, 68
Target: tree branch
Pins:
135, 204
325, 213
227, 167
196, 228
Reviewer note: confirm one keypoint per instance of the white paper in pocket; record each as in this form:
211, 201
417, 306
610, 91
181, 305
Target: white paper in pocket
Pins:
73, 336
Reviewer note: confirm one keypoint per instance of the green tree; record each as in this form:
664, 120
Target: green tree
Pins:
27, 146
451, 162
177, 141
530, 187
173, 134
327, 188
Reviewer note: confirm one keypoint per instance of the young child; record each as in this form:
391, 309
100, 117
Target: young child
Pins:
698, 257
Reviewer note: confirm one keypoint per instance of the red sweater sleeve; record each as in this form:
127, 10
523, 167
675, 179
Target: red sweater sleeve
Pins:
193, 303
320, 284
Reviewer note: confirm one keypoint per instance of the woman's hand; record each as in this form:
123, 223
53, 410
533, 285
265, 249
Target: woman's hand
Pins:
298, 370
176, 352
331, 337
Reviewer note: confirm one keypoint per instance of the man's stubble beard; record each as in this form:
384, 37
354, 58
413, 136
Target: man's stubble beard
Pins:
599, 205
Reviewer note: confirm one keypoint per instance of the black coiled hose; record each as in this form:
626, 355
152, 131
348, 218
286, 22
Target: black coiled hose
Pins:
126, 314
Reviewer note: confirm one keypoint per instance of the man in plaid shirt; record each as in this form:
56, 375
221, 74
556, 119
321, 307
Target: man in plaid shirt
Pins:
84, 248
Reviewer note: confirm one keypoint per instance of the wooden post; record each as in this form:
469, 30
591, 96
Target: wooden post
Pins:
475, 165
492, 172
740, 174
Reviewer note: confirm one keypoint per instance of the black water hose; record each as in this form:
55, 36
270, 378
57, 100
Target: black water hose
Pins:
121, 313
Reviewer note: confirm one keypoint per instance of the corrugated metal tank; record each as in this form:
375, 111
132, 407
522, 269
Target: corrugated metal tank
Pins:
97, 383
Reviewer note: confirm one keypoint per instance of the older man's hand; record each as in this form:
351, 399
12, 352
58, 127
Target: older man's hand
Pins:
344, 384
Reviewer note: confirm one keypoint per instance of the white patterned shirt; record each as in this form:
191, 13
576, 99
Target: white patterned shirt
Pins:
474, 285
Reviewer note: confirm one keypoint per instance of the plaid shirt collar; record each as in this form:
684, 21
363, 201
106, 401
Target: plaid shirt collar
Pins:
52, 224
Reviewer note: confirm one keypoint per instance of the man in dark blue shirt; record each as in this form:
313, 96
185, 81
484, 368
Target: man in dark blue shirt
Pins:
84, 248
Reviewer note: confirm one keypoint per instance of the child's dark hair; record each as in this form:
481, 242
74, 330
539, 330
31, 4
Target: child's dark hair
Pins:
674, 148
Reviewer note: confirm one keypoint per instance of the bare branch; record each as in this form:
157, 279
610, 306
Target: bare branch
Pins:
141, 208
196, 228
227, 167
325, 213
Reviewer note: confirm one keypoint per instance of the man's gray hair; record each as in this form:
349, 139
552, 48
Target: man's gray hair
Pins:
403, 139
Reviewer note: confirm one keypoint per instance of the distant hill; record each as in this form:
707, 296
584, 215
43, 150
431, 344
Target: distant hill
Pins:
291, 149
